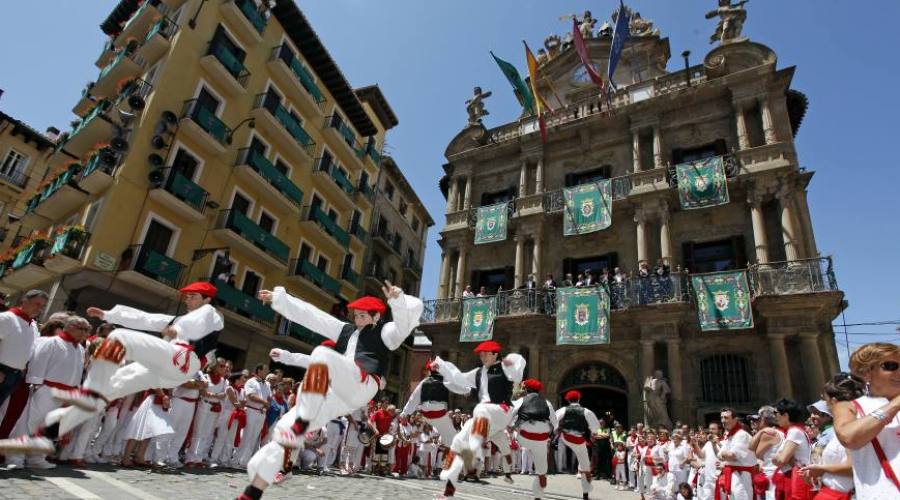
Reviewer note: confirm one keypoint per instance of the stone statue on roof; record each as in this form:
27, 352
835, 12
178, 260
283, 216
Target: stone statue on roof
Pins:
475, 106
731, 21
552, 43
586, 25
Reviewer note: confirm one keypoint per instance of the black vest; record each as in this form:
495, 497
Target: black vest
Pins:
371, 354
573, 421
434, 391
534, 409
499, 387
203, 346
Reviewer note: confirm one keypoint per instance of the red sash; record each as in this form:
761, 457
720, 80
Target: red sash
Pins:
826, 493
58, 385
724, 481
241, 417
186, 350
760, 484
433, 414
534, 436
189, 400
879, 452
572, 438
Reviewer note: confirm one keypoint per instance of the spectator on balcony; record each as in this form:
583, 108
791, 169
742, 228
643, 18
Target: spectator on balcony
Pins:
643, 270
568, 281
549, 283
580, 281
662, 269
604, 276
482, 292
619, 276
467, 292
530, 283
589, 279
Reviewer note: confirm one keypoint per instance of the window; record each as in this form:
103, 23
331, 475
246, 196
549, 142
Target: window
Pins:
158, 237
354, 221
251, 283
488, 199
686, 155
348, 262
322, 264
332, 214
389, 190
316, 201
220, 38
91, 215
403, 207
593, 175
415, 224
14, 164
326, 161
208, 101
714, 256
185, 163
725, 378
282, 167
363, 179
267, 222
305, 252
240, 204
491, 279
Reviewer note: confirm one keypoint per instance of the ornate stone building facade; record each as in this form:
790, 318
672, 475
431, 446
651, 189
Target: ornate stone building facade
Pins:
737, 104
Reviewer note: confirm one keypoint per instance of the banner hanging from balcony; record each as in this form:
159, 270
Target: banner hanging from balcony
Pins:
582, 316
491, 223
588, 208
723, 300
702, 183
478, 319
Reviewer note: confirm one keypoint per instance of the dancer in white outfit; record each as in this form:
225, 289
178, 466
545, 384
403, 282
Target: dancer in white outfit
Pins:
576, 424
536, 419
432, 398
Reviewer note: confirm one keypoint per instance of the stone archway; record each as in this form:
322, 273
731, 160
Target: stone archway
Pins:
603, 389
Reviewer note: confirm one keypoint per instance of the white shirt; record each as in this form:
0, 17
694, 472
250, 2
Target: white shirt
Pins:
189, 327
549, 426
739, 444
55, 360
259, 388
183, 392
415, 399
677, 455
868, 476
709, 462
514, 373
291, 358
406, 311
16, 340
797, 436
592, 421
833, 454
212, 388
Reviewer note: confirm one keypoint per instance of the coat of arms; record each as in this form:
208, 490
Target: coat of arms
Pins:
701, 182
491, 224
477, 318
582, 314
587, 207
722, 300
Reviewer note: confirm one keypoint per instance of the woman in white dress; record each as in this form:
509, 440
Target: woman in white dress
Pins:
150, 420
868, 426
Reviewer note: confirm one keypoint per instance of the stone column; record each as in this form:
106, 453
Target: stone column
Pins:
803, 211
658, 156
812, 365
467, 200
636, 149
523, 179
520, 261
536, 259
444, 286
760, 241
766, 113
741, 122
453, 195
539, 176
673, 351
780, 365
534, 363
646, 360
665, 238
641, 223
788, 228
461, 271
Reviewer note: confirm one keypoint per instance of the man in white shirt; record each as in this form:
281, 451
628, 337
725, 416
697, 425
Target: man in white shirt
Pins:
678, 454
736, 481
155, 362
18, 329
209, 408
184, 404
709, 454
536, 419
576, 424
257, 398
57, 362
432, 398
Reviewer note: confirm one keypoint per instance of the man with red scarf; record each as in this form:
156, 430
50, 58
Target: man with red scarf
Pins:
738, 461
57, 363
209, 408
18, 330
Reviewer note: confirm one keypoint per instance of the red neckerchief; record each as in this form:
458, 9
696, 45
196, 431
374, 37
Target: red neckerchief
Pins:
214, 378
279, 398
737, 428
68, 338
20, 313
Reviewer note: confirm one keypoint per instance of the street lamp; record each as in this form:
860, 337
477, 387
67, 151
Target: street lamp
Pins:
687, 67
250, 123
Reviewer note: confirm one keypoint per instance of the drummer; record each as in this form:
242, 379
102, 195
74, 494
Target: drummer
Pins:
382, 419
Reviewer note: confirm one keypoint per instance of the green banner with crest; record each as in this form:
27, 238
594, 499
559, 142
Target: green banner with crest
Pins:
582, 316
491, 223
588, 208
723, 300
702, 183
478, 319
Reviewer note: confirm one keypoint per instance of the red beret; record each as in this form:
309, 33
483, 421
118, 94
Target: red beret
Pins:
488, 346
431, 366
329, 343
368, 303
573, 396
533, 384
203, 288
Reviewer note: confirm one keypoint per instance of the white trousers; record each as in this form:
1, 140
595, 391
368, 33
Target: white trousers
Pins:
645, 480
82, 439
116, 444
346, 392
741, 486
40, 402
249, 437
205, 423
270, 459
168, 445
538, 454
223, 446
156, 363
584, 463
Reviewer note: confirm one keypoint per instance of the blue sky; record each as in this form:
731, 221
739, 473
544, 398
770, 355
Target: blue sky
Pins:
427, 56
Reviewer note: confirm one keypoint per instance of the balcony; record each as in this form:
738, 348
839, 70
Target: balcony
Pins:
86, 102
344, 134
413, 266
245, 19
233, 227
324, 223
106, 54
140, 22
97, 174
27, 267
350, 276
333, 182
387, 239
127, 64
204, 127
279, 124
182, 195
255, 169
792, 278
243, 305
58, 198
94, 128
296, 80
67, 250
147, 269
357, 231
226, 69
17, 179
158, 40
330, 287
373, 154
376, 275
299, 332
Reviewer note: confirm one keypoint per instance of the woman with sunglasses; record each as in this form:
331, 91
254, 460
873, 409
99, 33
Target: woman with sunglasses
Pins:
793, 453
868, 426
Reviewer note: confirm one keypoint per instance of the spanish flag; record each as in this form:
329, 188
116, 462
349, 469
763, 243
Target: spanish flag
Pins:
533, 80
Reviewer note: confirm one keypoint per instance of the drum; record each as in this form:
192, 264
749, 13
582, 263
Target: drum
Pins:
387, 441
365, 435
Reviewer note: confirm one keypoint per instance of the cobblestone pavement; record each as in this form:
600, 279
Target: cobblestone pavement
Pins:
101, 482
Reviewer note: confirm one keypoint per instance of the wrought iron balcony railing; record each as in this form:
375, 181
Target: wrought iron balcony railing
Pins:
788, 278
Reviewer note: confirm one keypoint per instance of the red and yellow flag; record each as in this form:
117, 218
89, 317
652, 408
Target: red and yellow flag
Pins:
533, 81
